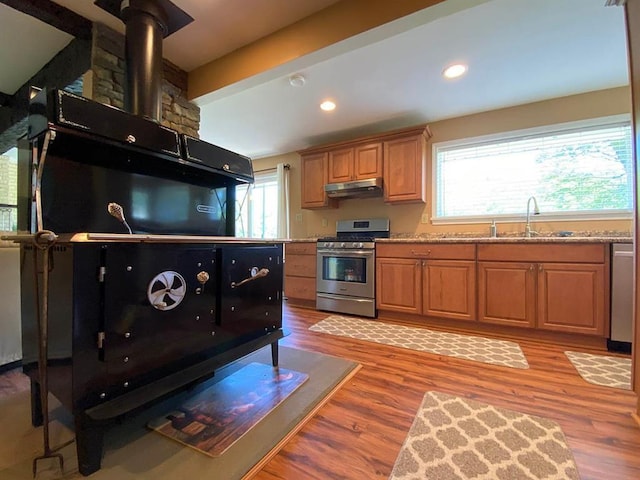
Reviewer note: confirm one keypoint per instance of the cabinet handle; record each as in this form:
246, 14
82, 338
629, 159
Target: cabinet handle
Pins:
531, 267
420, 254
540, 267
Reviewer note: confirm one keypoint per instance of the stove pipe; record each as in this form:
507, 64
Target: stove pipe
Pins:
146, 26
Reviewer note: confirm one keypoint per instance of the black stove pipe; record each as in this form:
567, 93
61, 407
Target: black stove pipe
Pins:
146, 26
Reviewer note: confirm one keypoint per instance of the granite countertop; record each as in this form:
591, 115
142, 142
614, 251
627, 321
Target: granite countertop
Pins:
543, 237
509, 239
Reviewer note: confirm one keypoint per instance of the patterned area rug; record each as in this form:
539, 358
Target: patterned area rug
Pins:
602, 370
478, 349
454, 438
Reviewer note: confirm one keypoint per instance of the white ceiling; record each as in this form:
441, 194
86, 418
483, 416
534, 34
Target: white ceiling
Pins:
518, 51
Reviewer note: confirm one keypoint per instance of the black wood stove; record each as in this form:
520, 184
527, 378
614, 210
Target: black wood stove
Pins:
133, 284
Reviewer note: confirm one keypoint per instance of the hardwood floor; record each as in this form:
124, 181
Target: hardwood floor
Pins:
358, 433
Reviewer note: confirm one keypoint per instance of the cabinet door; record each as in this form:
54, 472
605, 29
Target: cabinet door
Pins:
571, 298
367, 161
341, 165
398, 285
405, 170
299, 288
313, 178
507, 293
449, 289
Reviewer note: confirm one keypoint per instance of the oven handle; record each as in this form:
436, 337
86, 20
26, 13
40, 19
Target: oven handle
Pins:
357, 253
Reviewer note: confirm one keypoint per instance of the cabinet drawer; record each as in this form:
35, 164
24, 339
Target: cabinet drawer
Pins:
300, 248
300, 266
300, 287
549, 252
466, 251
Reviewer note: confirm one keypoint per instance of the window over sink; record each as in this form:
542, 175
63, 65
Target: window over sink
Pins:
576, 171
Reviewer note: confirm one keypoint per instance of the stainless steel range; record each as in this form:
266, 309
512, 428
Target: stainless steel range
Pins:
346, 267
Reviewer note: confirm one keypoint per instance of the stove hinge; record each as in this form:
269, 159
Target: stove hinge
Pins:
101, 274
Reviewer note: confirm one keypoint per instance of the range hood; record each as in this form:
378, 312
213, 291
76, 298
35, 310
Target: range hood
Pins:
370, 187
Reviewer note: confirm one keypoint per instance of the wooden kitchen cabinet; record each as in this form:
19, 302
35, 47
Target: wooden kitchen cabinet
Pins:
300, 272
507, 293
437, 280
405, 169
399, 285
561, 288
314, 175
398, 157
355, 163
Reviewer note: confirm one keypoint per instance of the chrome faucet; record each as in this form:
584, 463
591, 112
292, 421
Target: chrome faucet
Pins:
536, 211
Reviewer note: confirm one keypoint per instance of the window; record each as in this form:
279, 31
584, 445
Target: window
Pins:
256, 208
582, 170
9, 190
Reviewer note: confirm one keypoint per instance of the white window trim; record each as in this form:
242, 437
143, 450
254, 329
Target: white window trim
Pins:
522, 133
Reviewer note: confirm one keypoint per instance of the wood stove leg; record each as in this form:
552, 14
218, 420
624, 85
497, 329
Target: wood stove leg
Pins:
274, 353
89, 443
36, 404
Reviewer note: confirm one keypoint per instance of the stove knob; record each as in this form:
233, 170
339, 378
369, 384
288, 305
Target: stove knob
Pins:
203, 277
343, 244
357, 245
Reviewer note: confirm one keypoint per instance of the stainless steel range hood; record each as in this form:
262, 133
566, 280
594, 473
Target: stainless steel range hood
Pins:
370, 187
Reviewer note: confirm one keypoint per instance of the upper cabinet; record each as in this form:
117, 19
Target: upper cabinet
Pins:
355, 163
399, 157
314, 176
405, 167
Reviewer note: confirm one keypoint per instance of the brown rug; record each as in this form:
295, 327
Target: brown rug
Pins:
215, 419
133, 452
454, 438
602, 370
467, 347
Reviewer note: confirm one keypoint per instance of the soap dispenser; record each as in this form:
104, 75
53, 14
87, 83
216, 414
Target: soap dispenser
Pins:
493, 230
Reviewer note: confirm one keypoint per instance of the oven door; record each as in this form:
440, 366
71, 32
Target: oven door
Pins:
346, 272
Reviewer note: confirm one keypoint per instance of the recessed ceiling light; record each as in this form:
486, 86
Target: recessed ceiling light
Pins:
328, 105
454, 71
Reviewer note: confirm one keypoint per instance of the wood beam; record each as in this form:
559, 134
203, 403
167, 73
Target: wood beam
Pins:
335, 23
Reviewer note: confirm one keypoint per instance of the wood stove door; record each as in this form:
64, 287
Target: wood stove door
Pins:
251, 288
159, 307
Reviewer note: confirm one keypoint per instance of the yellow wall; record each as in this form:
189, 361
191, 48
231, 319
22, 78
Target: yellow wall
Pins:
405, 219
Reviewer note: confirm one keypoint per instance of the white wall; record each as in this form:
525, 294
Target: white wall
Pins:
10, 331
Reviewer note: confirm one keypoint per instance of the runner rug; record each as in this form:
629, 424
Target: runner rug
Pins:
454, 438
132, 451
478, 349
602, 370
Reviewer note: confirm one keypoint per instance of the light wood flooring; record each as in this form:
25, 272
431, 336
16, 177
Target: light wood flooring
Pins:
358, 433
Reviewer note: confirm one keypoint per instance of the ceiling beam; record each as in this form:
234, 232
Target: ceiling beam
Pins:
331, 25
55, 15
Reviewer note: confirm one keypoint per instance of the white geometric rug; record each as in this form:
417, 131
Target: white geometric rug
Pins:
602, 370
454, 438
478, 349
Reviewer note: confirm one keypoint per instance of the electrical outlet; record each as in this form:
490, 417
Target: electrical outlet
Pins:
324, 222
299, 217
424, 218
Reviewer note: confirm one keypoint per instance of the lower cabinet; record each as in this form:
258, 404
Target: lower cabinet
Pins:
427, 279
300, 271
555, 287
561, 288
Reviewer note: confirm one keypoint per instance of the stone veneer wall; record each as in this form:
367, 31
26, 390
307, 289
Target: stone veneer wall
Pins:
107, 82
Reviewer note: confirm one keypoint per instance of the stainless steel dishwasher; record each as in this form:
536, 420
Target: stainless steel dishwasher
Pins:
622, 266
